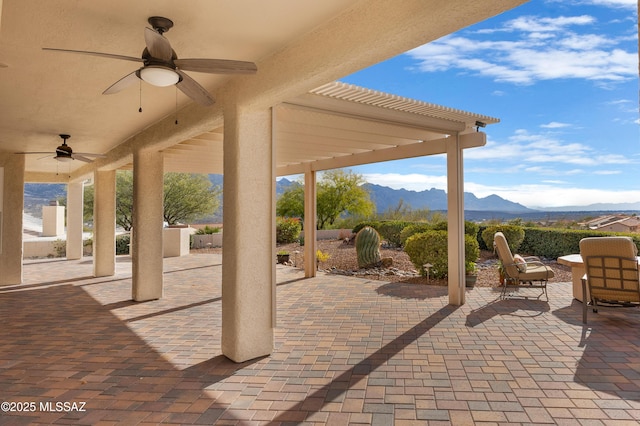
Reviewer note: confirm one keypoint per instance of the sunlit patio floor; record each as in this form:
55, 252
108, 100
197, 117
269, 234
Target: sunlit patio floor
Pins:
347, 351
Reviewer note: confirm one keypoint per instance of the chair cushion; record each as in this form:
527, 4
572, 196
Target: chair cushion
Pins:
520, 263
536, 272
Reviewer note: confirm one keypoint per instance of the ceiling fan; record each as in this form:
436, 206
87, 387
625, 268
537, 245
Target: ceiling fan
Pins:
161, 66
65, 153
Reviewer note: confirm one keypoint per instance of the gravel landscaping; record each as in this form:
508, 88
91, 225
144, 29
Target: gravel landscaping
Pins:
342, 260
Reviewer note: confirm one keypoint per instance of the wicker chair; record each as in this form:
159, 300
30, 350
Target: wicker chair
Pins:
611, 273
529, 272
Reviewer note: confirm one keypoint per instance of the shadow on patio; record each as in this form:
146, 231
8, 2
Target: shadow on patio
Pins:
347, 350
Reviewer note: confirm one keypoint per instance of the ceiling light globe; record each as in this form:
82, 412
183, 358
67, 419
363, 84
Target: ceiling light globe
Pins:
159, 76
63, 158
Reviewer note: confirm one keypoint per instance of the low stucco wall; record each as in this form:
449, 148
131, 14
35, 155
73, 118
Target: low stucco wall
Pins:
207, 240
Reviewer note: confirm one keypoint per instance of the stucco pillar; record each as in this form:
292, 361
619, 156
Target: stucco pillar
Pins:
75, 216
455, 219
11, 206
310, 231
104, 223
148, 185
248, 259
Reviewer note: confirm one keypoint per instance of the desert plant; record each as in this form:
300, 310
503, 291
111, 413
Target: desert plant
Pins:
413, 229
122, 243
60, 248
391, 231
432, 247
368, 247
287, 230
207, 230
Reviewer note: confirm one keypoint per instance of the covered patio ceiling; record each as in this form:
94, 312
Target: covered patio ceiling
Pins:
340, 125
296, 46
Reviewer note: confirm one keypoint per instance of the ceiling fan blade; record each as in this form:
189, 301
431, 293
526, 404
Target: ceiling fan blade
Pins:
89, 154
122, 84
194, 90
36, 152
158, 46
82, 158
46, 156
104, 55
216, 66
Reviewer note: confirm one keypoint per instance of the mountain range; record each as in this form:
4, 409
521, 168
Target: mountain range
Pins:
491, 207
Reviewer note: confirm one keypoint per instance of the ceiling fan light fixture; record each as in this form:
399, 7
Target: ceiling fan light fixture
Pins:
63, 158
159, 76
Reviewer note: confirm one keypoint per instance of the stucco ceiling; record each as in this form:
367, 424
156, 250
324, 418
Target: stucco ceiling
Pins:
297, 45
47, 93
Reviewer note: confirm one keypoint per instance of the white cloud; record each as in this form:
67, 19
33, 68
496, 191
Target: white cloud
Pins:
543, 151
533, 48
554, 125
631, 4
553, 195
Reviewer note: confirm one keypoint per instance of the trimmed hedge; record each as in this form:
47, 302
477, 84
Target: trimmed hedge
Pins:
553, 243
513, 233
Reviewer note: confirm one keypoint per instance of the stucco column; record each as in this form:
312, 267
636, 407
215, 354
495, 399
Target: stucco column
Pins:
75, 216
104, 223
11, 206
148, 205
455, 219
310, 232
248, 259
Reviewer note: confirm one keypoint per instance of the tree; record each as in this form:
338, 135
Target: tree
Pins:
189, 196
124, 199
338, 192
186, 197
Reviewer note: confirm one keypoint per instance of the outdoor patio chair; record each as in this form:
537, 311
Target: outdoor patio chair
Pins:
521, 271
611, 273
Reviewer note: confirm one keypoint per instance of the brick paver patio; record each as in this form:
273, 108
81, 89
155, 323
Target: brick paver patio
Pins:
75, 350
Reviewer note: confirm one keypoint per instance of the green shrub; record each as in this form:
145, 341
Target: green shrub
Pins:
122, 243
370, 223
391, 231
413, 229
287, 230
483, 245
432, 247
513, 233
471, 228
208, 230
429, 247
553, 243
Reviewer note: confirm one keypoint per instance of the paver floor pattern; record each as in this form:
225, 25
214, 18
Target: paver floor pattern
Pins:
347, 351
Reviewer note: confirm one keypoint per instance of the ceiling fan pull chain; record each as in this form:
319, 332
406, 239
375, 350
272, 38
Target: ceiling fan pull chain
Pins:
176, 105
140, 109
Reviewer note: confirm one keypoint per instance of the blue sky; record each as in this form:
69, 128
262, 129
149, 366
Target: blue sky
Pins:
562, 76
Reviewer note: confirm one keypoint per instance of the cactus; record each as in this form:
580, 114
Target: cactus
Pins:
368, 247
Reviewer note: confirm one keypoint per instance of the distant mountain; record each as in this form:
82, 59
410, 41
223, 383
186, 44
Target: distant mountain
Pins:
436, 199
37, 195
600, 207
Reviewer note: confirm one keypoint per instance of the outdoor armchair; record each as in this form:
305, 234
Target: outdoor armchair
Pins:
520, 271
611, 273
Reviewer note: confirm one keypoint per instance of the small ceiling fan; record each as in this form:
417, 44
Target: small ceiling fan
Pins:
161, 66
65, 153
